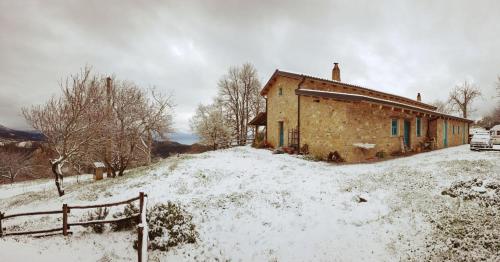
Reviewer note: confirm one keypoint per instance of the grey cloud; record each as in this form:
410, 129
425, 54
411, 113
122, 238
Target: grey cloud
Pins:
185, 46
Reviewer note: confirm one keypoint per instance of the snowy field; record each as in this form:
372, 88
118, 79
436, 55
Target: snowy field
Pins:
250, 205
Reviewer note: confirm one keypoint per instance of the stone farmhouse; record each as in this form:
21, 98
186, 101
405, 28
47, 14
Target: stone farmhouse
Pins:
330, 118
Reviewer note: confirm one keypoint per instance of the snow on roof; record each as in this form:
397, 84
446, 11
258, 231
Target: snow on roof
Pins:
99, 164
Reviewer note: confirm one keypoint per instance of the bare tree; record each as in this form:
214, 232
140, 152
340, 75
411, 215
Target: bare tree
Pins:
156, 120
83, 161
125, 123
13, 164
239, 94
498, 87
496, 113
462, 96
134, 121
442, 106
68, 122
210, 125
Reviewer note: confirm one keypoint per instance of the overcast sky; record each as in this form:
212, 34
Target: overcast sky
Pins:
403, 47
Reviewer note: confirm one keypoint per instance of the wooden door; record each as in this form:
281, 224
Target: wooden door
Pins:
445, 135
281, 134
406, 133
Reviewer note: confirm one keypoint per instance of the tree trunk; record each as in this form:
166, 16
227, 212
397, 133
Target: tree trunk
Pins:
122, 170
58, 177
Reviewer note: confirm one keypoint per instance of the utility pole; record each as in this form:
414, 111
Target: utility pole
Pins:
108, 123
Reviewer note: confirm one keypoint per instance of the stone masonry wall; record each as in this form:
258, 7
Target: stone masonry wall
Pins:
330, 125
281, 108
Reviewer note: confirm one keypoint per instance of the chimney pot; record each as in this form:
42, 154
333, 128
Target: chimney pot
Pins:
419, 98
336, 72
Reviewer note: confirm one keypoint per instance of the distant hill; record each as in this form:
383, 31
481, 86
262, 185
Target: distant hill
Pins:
183, 138
166, 148
17, 135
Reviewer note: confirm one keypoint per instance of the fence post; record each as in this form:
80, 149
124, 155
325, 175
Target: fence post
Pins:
65, 219
1, 229
139, 243
141, 201
140, 228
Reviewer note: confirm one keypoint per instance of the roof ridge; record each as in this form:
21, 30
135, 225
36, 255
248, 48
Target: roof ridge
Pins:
349, 84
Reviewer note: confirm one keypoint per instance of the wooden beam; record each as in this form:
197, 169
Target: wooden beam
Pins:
104, 205
33, 214
32, 232
94, 222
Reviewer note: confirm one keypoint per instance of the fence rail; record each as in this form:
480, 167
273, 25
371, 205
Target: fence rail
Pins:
107, 204
33, 214
66, 209
32, 232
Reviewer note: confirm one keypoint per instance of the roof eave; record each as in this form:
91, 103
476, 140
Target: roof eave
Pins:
362, 98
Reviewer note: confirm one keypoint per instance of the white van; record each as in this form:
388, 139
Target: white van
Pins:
495, 134
481, 140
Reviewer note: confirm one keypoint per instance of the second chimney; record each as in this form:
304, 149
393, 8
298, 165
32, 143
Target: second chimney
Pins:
336, 72
419, 98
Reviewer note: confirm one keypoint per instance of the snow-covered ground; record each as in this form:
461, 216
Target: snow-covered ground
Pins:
251, 205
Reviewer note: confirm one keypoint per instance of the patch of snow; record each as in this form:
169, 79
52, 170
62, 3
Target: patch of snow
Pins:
364, 145
99, 165
250, 205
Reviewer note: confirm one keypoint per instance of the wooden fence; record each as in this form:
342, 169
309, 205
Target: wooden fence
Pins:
142, 230
235, 142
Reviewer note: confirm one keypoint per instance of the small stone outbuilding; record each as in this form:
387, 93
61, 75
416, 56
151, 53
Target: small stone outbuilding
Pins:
99, 168
325, 116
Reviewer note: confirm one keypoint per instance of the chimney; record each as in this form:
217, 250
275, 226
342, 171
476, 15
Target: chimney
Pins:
419, 98
336, 72
108, 86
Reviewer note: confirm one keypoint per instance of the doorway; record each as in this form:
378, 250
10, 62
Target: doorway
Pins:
445, 135
406, 133
281, 134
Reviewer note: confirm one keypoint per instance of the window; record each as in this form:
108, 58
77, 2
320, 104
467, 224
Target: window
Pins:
498, 133
458, 129
419, 126
453, 129
280, 91
394, 127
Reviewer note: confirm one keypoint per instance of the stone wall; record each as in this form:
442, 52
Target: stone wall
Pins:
281, 108
459, 137
328, 125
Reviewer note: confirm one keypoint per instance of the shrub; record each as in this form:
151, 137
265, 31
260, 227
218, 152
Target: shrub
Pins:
335, 157
99, 214
262, 144
169, 226
128, 224
381, 154
305, 149
259, 140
